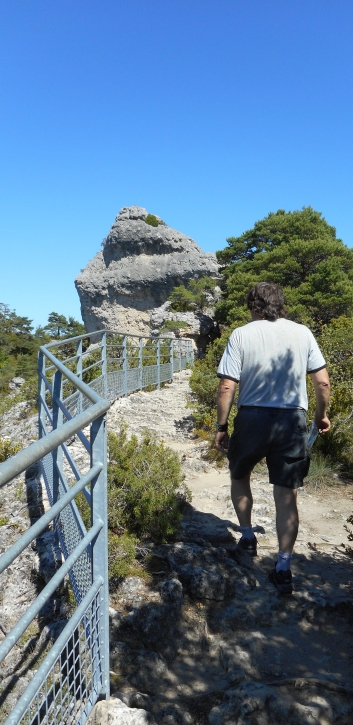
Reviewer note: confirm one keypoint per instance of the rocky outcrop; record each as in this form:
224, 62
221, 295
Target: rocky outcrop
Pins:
136, 271
198, 325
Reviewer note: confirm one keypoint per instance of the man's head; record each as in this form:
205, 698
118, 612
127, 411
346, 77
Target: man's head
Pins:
266, 301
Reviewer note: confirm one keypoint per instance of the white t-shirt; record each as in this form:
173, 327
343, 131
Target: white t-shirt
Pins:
270, 361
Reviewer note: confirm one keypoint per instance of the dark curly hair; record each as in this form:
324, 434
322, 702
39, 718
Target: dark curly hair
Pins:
266, 301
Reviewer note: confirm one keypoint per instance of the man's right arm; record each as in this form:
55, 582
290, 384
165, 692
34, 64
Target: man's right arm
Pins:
322, 391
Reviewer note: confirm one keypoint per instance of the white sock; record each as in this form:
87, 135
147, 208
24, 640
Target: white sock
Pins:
247, 532
283, 563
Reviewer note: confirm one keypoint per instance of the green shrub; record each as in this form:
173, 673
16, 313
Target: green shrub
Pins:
121, 554
146, 493
145, 486
8, 448
193, 296
173, 326
182, 300
152, 220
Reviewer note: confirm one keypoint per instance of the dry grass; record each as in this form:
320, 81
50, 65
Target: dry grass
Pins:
323, 473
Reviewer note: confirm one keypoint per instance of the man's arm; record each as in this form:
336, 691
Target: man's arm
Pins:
322, 391
225, 397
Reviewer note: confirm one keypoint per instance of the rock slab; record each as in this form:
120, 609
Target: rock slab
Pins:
115, 712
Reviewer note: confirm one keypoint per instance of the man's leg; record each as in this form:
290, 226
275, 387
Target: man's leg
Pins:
242, 499
287, 522
287, 519
242, 502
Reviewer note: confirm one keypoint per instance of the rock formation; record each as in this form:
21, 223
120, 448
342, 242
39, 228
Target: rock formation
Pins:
139, 265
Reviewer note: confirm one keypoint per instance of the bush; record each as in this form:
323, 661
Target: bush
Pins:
146, 493
152, 220
121, 554
145, 486
193, 296
173, 326
182, 300
8, 448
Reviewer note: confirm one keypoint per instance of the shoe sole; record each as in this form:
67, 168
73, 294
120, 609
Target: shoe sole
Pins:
285, 590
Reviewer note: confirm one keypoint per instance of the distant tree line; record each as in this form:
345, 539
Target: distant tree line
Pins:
19, 344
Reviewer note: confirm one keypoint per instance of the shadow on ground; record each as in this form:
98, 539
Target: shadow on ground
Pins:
209, 640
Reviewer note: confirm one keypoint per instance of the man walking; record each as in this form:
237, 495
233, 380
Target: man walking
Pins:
269, 358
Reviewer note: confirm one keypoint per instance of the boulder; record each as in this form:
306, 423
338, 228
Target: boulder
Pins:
115, 712
136, 271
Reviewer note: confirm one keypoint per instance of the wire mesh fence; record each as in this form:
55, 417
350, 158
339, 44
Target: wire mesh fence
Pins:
75, 386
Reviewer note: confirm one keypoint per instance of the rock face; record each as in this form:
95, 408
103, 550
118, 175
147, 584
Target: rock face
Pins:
136, 271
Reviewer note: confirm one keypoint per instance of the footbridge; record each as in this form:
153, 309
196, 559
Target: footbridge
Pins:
78, 380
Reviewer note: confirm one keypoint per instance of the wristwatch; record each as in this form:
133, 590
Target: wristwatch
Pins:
222, 427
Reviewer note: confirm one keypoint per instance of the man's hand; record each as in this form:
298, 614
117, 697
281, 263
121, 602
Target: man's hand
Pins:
323, 423
221, 441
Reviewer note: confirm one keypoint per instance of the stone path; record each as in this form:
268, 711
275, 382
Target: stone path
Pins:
207, 639
202, 637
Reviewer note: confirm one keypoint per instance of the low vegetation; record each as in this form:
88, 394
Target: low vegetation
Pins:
153, 221
8, 448
173, 326
146, 494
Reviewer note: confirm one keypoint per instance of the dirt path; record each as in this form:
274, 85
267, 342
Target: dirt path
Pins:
234, 651
202, 638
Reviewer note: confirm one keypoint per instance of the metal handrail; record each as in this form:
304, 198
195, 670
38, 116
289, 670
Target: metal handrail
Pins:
16, 549
107, 331
84, 552
24, 459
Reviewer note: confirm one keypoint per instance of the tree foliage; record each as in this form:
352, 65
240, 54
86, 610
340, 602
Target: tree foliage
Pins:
197, 294
59, 327
300, 252
19, 346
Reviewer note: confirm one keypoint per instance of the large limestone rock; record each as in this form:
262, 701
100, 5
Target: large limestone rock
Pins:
136, 271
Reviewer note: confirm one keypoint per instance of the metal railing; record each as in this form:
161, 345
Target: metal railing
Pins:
76, 387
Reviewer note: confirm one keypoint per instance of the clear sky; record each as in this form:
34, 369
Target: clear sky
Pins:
209, 113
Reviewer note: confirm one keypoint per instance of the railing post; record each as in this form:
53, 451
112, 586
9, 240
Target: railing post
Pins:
99, 511
58, 419
124, 366
179, 354
79, 372
171, 356
104, 364
140, 364
41, 395
158, 363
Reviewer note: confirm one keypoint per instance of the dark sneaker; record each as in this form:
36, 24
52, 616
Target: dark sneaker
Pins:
282, 580
247, 546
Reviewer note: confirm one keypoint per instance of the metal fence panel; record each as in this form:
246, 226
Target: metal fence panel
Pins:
75, 673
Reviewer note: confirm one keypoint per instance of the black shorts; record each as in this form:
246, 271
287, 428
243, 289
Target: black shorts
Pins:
277, 434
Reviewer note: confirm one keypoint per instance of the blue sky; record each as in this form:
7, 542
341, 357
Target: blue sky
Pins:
209, 113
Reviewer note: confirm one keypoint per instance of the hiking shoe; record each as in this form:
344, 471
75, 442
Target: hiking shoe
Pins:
247, 546
282, 580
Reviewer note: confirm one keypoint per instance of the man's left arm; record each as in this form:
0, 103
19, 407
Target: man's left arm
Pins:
225, 397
